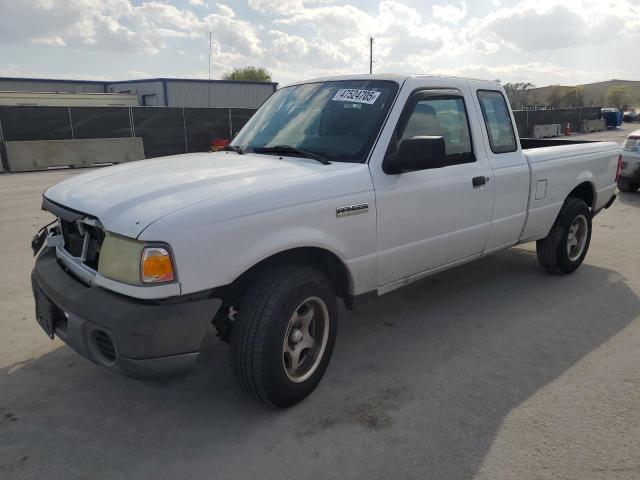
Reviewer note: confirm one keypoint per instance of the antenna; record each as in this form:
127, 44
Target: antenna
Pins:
209, 84
370, 55
209, 55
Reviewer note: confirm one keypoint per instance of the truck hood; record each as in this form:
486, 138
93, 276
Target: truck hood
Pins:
128, 198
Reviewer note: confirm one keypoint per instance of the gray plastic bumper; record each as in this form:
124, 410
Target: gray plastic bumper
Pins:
142, 339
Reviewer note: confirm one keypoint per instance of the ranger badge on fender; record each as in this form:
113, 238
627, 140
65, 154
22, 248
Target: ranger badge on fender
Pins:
352, 209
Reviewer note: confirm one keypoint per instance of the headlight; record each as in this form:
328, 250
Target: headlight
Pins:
133, 262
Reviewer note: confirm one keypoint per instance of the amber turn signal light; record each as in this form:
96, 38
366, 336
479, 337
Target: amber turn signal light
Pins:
156, 265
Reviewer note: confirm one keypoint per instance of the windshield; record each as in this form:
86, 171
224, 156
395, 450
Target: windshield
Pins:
336, 120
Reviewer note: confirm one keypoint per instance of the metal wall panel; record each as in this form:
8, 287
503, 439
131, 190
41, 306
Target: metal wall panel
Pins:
20, 85
218, 94
140, 89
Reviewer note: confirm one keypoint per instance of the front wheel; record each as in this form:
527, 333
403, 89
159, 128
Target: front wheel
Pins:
564, 249
284, 333
626, 185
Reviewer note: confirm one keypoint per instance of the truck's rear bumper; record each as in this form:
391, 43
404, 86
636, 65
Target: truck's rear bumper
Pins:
606, 205
143, 339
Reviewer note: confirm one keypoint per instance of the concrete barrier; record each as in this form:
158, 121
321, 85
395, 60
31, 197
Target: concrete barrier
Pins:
546, 131
44, 154
593, 125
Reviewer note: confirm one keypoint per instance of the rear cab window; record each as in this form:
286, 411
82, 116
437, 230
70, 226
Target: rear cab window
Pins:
495, 112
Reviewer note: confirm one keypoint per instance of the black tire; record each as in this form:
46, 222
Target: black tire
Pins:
626, 185
552, 250
262, 324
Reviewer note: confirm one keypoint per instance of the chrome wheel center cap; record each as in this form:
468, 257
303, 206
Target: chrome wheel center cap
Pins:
296, 336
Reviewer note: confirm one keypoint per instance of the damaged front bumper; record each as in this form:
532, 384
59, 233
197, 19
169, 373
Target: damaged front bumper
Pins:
140, 338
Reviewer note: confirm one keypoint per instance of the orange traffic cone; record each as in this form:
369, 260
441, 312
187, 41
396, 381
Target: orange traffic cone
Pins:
568, 129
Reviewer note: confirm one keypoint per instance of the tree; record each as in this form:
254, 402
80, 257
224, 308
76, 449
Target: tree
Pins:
519, 94
254, 74
617, 96
555, 98
574, 97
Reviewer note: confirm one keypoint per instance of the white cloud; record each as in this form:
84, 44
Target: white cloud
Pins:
237, 35
531, 40
276, 7
450, 13
538, 73
54, 40
226, 10
535, 26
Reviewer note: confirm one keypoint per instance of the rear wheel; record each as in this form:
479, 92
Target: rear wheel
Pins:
283, 335
626, 185
564, 249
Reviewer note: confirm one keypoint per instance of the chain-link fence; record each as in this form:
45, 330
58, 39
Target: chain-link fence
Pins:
164, 131
527, 119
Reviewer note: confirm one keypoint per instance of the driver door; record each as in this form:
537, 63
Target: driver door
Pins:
433, 218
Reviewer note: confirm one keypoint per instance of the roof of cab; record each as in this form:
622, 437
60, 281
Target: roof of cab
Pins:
395, 77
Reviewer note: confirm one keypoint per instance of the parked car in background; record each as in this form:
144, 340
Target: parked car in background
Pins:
629, 170
630, 116
336, 188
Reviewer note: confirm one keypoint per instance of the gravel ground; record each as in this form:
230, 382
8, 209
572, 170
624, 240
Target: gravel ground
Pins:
494, 370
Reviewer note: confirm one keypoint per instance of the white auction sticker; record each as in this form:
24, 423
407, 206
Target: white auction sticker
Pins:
356, 95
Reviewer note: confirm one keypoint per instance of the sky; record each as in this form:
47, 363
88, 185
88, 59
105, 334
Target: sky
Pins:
545, 42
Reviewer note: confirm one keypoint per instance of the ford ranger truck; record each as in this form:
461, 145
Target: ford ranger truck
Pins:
336, 188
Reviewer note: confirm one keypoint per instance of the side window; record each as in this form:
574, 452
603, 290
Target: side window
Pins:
441, 116
498, 121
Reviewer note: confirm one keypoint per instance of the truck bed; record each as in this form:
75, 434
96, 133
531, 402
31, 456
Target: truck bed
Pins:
554, 166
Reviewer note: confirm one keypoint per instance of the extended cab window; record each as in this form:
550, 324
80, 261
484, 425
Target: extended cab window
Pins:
440, 116
498, 121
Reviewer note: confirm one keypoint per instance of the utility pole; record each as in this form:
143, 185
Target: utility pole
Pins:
209, 84
370, 55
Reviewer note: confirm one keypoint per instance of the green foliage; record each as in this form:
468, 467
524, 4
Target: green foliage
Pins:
555, 98
617, 96
519, 94
254, 74
574, 97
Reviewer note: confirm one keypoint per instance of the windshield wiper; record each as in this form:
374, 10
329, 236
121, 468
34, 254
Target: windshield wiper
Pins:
233, 148
288, 149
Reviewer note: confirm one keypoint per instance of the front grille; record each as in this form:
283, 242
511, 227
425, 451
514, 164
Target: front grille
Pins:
96, 238
630, 144
105, 346
73, 239
75, 234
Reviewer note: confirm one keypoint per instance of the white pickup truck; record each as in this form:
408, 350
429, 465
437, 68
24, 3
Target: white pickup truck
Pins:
336, 188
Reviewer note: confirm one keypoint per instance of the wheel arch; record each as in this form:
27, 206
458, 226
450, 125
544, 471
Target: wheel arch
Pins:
319, 258
585, 191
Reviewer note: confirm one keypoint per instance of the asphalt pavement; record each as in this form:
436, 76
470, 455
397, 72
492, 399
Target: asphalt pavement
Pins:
493, 370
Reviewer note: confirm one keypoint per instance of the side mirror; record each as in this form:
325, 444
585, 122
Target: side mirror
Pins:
417, 153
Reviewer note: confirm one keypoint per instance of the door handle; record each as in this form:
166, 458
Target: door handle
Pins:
478, 181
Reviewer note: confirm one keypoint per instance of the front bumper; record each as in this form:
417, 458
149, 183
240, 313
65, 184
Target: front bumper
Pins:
631, 166
142, 339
